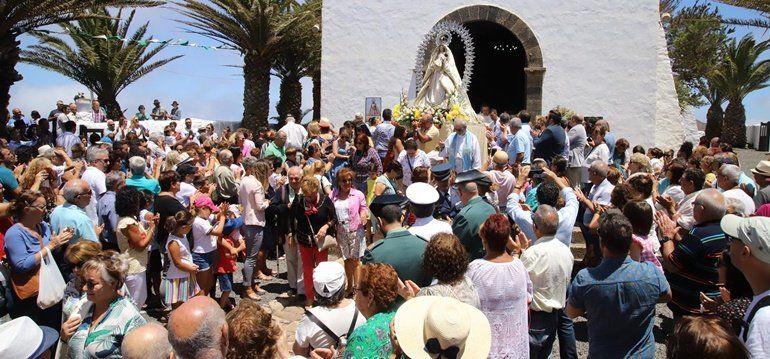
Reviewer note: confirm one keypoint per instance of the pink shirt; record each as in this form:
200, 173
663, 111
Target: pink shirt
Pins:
251, 196
505, 183
356, 202
648, 250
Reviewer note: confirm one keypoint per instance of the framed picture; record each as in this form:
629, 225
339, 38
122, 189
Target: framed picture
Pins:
373, 107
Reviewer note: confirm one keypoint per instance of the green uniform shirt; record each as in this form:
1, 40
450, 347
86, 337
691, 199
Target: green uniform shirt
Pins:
467, 223
273, 150
403, 251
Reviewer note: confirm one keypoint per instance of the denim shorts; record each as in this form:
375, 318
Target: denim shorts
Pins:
225, 281
205, 261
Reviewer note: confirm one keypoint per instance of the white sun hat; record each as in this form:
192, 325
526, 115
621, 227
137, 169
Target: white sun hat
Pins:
22, 338
427, 326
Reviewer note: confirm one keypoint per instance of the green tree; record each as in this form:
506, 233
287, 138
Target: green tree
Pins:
18, 17
299, 57
761, 6
742, 73
256, 28
106, 67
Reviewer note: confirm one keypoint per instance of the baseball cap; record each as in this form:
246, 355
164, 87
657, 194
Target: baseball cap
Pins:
206, 202
500, 158
328, 278
752, 231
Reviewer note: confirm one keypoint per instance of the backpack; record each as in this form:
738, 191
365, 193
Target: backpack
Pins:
340, 341
764, 302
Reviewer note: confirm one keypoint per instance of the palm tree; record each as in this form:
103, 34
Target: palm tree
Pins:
742, 74
715, 115
18, 17
299, 57
106, 67
257, 29
761, 6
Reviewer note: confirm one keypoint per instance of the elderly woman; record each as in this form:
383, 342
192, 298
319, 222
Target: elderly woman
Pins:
251, 195
446, 260
387, 182
133, 239
26, 243
100, 333
352, 214
410, 158
332, 309
376, 295
313, 218
504, 290
599, 151
364, 155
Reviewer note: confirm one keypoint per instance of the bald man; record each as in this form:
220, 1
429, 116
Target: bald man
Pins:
690, 258
77, 195
198, 330
149, 341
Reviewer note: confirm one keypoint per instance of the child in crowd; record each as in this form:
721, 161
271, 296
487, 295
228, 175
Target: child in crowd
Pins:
641, 216
180, 282
154, 265
291, 157
232, 244
205, 240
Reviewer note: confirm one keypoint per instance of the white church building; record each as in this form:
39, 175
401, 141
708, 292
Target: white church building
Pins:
600, 58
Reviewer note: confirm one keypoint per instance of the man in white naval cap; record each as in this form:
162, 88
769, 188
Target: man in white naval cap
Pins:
422, 201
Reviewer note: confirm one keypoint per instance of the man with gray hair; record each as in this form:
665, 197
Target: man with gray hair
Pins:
105, 209
296, 134
280, 205
277, 148
138, 167
549, 264
72, 214
157, 145
577, 139
462, 148
227, 182
94, 174
198, 330
690, 257
728, 180
601, 191
150, 341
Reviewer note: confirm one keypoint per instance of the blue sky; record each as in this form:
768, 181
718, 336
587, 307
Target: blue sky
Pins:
207, 86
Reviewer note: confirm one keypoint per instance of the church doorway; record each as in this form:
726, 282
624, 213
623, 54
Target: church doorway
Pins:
498, 72
511, 77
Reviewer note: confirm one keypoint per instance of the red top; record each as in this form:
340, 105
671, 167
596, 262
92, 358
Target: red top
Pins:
226, 263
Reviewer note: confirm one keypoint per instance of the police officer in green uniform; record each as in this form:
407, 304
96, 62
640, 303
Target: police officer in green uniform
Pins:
399, 248
475, 210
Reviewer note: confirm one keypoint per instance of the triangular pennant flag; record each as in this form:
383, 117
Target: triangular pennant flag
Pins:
153, 41
103, 37
183, 43
205, 47
141, 42
194, 45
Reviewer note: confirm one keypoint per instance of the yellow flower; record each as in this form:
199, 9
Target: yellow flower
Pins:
417, 113
456, 108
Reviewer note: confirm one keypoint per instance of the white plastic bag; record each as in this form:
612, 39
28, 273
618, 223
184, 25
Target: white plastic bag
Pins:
52, 285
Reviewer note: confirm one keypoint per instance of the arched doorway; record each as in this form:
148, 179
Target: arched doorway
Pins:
508, 70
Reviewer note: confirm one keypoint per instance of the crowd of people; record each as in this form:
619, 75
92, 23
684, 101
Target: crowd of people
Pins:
399, 243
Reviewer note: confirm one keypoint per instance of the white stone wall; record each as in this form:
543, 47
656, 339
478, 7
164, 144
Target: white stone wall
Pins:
601, 56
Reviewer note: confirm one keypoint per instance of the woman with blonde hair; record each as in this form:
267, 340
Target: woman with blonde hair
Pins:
40, 176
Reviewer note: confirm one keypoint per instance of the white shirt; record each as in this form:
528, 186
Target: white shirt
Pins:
600, 194
203, 240
295, 135
173, 272
427, 227
454, 151
567, 216
97, 180
309, 334
758, 339
67, 140
185, 191
408, 164
598, 153
549, 264
685, 211
739, 194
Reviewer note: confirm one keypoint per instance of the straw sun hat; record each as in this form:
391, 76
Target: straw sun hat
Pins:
428, 326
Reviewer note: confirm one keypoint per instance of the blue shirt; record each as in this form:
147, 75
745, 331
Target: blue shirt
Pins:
21, 246
9, 183
381, 137
619, 297
70, 215
609, 139
105, 208
519, 143
143, 183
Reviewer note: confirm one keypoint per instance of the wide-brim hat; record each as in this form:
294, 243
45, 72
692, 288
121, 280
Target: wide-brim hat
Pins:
22, 338
431, 323
762, 169
324, 122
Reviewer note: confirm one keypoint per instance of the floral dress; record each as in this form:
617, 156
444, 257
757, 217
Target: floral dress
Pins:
105, 339
371, 340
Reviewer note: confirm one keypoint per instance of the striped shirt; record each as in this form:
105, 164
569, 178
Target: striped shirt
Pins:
696, 257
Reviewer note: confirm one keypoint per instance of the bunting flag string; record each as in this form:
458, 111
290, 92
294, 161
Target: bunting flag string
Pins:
143, 42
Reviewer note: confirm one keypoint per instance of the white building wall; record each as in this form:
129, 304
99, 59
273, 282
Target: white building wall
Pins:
601, 56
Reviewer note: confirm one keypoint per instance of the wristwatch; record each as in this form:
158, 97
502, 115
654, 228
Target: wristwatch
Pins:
664, 239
